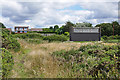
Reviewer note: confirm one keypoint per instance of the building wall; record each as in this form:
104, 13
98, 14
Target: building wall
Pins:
84, 36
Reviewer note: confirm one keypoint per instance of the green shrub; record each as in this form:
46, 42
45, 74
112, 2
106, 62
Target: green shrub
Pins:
36, 41
12, 32
28, 35
98, 61
105, 37
8, 42
7, 62
111, 37
55, 38
39, 36
116, 37
67, 34
102, 39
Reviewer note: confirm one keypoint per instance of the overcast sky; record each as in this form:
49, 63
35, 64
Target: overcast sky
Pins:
45, 13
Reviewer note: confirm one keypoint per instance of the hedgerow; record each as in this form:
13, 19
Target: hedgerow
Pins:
56, 38
111, 37
28, 35
39, 36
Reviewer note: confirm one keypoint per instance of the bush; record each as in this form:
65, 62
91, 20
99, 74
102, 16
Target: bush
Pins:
28, 35
102, 39
8, 42
111, 37
39, 36
118, 37
36, 41
2, 25
67, 34
105, 37
55, 38
7, 62
98, 61
12, 32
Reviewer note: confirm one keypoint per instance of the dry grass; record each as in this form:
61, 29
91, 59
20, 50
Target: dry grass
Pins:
38, 62
40, 57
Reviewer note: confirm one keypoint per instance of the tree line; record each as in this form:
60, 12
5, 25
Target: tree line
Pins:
107, 29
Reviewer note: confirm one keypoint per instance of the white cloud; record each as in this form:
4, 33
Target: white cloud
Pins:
49, 13
102, 10
66, 0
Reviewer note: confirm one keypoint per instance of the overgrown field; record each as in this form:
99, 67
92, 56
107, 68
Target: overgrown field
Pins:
36, 60
66, 60
36, 56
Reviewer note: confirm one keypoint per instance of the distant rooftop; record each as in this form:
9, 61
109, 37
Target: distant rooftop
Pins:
21, 26
36, 29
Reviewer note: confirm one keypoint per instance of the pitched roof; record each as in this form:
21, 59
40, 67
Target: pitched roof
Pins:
21, 26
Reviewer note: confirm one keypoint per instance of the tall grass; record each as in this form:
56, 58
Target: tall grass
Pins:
37, 61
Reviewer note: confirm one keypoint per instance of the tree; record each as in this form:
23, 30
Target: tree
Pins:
84, 24
67, 26
116, 26
60, 30
106, 29
51, 29
56, 27
2, 25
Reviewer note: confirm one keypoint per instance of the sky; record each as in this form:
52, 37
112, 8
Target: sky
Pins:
46, 13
